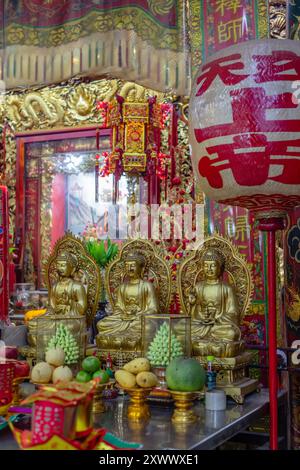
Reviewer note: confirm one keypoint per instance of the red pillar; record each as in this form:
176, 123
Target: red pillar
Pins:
271, 225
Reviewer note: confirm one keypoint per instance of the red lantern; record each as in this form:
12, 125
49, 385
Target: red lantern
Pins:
245, 137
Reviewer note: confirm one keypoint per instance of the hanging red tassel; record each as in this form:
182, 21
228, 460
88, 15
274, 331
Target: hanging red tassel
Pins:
97, 178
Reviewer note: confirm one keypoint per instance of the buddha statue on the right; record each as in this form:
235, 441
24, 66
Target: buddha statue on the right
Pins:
214, 310
215, 289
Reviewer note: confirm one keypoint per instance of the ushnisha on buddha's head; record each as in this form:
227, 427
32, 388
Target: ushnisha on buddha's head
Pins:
66, 264
134, 265
213, 264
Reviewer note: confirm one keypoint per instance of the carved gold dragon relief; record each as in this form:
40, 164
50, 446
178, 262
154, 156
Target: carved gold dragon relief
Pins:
67, 105
34, 110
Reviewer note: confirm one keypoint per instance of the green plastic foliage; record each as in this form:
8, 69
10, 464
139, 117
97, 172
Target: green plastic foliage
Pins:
102, 254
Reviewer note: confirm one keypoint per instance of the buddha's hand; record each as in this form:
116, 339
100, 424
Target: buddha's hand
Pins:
130, 313
62, 309
207, 315
129, 318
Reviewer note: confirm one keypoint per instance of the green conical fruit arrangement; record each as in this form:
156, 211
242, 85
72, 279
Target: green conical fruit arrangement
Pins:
185, 375
67, 342
164, 348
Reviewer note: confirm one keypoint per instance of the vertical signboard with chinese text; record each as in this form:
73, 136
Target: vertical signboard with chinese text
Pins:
227, 22
3, 253
292, 312
216, 24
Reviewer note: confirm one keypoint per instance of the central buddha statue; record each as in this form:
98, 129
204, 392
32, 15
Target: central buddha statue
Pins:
134, 297
66, 297
214, 311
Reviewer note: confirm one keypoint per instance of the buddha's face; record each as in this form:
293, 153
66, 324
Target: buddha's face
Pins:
133, 269
212, 269
64, 267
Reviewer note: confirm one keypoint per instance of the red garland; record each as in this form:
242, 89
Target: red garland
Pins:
102, 106
104, 169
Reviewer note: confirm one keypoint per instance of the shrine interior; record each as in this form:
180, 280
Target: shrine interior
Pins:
149, 225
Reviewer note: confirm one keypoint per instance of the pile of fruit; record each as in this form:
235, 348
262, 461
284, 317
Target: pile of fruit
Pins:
91, 370
136, 373
53, 369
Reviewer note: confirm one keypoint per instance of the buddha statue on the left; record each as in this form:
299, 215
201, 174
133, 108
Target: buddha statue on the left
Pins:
66, 297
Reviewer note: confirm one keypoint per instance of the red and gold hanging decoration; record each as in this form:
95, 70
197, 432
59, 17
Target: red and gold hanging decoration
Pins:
136, 140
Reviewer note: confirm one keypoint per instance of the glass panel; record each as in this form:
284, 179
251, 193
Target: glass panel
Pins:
60, 195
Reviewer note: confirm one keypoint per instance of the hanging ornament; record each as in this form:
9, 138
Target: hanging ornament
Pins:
135, 138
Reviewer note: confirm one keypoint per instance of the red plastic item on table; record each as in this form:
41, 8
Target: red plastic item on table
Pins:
7, 372
11, 352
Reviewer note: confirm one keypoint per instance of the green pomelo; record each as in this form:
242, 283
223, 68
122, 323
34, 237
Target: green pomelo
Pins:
90, 364
83, 376
103, 376
185, 375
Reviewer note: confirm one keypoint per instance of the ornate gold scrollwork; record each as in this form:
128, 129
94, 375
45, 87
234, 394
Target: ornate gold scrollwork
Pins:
277, 15
69, 105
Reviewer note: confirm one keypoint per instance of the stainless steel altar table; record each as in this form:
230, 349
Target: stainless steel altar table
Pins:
211, 429
159, 433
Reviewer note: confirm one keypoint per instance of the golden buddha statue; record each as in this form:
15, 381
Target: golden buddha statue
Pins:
134, 297
137, 282
74, 283
214, 311
66, 297
215, 289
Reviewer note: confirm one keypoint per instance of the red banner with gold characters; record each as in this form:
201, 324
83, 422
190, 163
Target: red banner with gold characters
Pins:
217, 24
227, 22
4, 269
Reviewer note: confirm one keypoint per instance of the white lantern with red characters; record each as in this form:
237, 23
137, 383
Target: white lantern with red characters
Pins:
245, 139
245, 125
